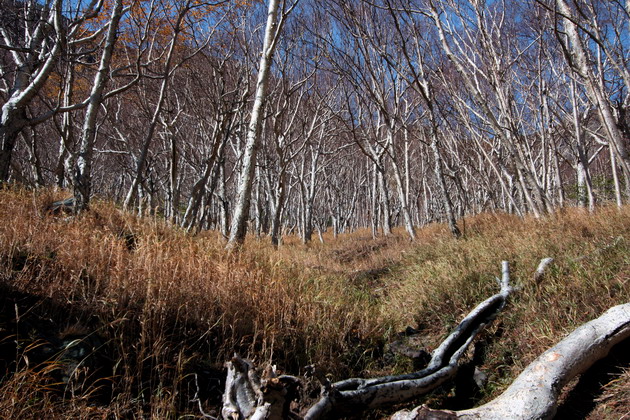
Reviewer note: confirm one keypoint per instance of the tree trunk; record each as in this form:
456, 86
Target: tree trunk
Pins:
384, 199
32, 72
241, 210
277, 209
66, 140
446, 198
83, 168
578, 59
402, 196
10, 128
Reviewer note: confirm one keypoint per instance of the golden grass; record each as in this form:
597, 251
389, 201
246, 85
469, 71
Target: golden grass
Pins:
167, 302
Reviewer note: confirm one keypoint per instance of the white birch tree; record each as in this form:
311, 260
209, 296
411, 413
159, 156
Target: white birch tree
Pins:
277, 13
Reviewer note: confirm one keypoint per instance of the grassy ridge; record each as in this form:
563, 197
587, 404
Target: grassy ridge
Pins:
170, 306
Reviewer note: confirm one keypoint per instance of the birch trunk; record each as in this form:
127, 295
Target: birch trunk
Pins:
241, 210
578, 59
384, 199
400, 188
82, 182
67, 139
31, 75
446, 198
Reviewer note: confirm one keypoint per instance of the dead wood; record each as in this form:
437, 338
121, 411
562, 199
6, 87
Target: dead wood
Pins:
534, 394
245, 397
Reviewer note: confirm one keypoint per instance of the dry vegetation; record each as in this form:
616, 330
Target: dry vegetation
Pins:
169, 308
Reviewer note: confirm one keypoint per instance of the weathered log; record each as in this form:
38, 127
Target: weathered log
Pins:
245, 398
534, 394
353, 395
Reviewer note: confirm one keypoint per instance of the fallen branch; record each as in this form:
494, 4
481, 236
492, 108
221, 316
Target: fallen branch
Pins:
534, 394
245, 398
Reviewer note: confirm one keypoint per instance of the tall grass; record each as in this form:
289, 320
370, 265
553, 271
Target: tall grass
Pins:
171, 307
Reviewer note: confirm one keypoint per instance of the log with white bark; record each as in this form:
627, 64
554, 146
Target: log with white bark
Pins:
534, 394
245, 399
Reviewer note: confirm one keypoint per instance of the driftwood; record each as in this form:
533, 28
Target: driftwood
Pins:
534, 394
249, 397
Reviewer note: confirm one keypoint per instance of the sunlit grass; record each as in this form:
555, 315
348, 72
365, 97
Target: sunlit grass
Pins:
166, 301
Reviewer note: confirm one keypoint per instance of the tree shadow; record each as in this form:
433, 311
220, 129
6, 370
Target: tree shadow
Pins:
582, 398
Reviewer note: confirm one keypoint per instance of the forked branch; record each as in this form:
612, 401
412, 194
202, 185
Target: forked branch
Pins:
534, 394
245, 397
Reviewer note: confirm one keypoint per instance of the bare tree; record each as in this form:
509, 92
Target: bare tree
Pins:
35, 35
276, 18
580, 60
83, 170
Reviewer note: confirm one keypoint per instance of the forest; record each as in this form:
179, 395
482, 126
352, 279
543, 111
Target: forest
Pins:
314, 209
309, 116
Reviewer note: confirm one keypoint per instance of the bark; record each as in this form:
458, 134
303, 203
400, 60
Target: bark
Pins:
308, 194
249, 396
67, 136
578, 59
402, 197
31, 74
446, 198
82, 182
241, 211
384, 199
245, 398
534, 394
277, 205
584, 184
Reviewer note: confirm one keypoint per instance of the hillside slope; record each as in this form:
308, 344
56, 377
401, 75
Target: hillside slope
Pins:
108, 314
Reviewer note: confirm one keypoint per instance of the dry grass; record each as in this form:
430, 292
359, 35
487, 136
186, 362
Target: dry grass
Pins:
170, 305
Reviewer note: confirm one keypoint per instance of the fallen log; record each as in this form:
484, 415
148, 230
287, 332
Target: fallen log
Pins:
534, 393
249, 397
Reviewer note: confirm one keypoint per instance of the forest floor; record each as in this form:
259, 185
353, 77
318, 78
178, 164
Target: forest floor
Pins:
109, 315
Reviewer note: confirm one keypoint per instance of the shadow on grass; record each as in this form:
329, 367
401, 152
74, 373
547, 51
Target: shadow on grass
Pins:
580, 401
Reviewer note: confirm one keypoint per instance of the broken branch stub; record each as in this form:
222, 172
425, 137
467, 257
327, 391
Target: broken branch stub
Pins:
248, 396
